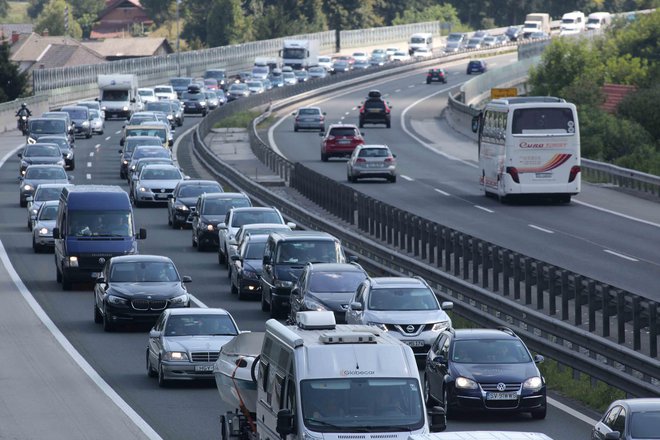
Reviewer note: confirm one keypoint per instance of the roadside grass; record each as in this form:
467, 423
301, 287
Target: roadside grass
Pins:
17, 13
242, 119
561, 379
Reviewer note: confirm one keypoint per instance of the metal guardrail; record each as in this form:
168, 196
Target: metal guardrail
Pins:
561, 313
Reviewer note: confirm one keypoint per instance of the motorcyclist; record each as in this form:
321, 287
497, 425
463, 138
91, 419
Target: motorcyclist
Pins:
23, 111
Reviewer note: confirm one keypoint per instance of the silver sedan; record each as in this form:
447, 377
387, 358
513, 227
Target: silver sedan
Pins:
185, 343
309, 118
42, 226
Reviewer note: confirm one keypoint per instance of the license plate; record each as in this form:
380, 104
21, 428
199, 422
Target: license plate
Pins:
502, 396
374, 110
543, 175
414, 343
344, 141
161, 196
374, 165
204, 368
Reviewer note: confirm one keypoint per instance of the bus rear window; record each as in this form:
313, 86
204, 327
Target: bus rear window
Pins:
551, 120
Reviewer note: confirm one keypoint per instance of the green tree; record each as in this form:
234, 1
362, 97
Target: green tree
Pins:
86, 13
35, 8
196, 15
52, 19
351, 14
641, 107
161, 11
12, 82
227, 24
443, 13
4, 8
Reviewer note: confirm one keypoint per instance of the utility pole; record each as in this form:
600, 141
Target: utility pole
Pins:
178, 61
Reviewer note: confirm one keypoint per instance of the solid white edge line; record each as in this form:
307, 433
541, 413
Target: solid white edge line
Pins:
619, 214
199, 304
484, 209
570, 411
409, 179
625, 257
72, 352
444, 193
541, 229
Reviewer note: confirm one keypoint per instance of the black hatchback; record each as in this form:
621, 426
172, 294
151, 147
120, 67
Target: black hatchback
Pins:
375, 110
436, 75
484, 370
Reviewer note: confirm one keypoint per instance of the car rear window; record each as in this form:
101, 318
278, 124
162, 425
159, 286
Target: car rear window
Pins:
221, 206
343, 131
373, 152
373, 103
309, 111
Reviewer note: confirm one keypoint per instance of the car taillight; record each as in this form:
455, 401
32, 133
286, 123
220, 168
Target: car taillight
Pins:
429, 75
389, 159
513, 171
360, 160
331, 138
575, 169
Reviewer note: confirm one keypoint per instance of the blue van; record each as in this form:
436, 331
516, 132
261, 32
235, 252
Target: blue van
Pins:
94, 224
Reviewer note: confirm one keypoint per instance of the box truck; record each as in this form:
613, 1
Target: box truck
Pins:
536, 22
300, 54
118, 95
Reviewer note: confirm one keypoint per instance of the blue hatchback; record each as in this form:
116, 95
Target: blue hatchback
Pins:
478, 66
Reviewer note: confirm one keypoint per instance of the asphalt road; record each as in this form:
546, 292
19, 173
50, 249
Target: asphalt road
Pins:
438, 180
183, 410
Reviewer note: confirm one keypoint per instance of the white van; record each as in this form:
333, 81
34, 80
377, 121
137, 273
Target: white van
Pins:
598, 20
572, 23
420, 41
481, 435
319, 380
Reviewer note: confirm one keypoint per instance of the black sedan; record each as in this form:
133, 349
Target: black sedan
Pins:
65, 147
326, 286
137, 288
484, 370
184, 198
194, 103
246, 267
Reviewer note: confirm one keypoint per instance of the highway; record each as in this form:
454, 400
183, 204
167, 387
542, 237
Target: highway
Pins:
192, 410
438, 180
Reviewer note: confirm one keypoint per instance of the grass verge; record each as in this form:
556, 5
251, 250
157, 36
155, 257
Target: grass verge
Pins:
237, 120
17, 13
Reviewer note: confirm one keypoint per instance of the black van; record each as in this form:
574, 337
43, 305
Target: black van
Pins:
285, 257
94, 224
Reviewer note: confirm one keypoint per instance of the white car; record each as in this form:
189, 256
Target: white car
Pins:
360, 56
391, 51
326, 63
423, 52
400, 56
147, 94
165, 92
256, 87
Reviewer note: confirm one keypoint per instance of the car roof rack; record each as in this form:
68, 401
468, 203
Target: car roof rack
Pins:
506, 330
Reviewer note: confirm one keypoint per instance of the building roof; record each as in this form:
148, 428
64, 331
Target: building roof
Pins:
129, 47
111, 25
53, 51
20, 28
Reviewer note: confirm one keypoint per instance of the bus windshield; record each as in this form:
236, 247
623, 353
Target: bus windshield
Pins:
543, 120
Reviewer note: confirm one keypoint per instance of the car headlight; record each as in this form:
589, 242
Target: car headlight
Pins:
125, 162
72, 261
34, 211
440, 326
181, 207
69, 155
27, 187
125, 108
181, 299
466, 384
176, 356
117, 300
280, 283
85, 124
378, 325
169, 117
143, 189
43, 231
210, 227
104, 108
533, 383
313, 304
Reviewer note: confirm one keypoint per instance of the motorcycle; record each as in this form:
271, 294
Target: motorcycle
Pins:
23, 124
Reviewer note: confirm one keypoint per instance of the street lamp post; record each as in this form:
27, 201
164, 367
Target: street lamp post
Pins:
178, 61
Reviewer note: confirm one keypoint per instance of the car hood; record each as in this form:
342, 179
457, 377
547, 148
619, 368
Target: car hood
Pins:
287, 272
489, 373
212, 219
37, 182
335, 301
254, 265
196, 343
158, 183
405, 317
41, 159
188, 201
50, 224
140, 290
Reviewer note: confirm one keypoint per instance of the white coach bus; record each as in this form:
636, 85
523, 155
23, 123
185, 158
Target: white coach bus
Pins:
529, 145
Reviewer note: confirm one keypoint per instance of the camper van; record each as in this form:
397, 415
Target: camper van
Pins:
420, 41
598, 20
572, 23
322, 380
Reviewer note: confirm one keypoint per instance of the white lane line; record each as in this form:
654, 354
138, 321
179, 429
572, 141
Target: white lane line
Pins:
91, 154
73, 353
409, 179
89, 177
410, 86
444, 193
347, 113
97, 146
118, 132
484, 209
619, 214
107, 138
538, 228
397, 90
341, 119
198, 302
625, 257
89, 164
570, 411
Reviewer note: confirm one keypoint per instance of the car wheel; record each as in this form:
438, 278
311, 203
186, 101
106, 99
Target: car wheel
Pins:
222, 258
264, 305
29, 225
66, 282
101, 132
275, 311
361, 124
73, 165
151, 371
295, 128
539, 414
234, 290
430, 401
108, 326
392, 179
200, 246
122, 175
98, 318
219, 258
23, 203
58, 274
88, 135
161, 376
428, 82
445, 400
194, 242
242, 296
388, 124
324, 157
229, 272
35, 246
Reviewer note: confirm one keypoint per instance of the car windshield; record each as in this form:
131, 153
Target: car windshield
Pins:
55, 173
325, 282
42, 151
324, 59
543, 120
132, 142
255, 84
217, 74
289, 75
241, 218
200, 325
180, 82
222, 206
474, 41
331, 405
306, 251
76, 113
254, 250
60, 141
48, 212
644, 424
238, 87
47, 126
317, 70
100, 223
95, 114
490, 351
158, 106
309, 111
143, 272
43, 194
160, 174
343, 131
163, 90
260, 69
196, 190
146, 92
403, 298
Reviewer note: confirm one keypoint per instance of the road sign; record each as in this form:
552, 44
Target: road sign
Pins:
503, 92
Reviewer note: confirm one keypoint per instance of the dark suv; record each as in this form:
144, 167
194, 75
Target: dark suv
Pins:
478, 66
339, 141
375, 110
484, 370
438, 75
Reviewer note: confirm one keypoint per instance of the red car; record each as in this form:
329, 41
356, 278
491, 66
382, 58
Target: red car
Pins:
339, 141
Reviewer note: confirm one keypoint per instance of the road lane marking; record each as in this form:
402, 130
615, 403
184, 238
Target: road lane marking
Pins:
397, 90
484, 209
89, 164
97, 146
409, 179
444, 193
198, 302
108, 138
570, 411
105, 388
91, 154
117, 132
625, 257
541, 229
347, 113
619, 214
89, 177
411, 86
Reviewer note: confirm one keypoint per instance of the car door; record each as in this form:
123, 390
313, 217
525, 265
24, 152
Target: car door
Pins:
101, 288
155, 344
606, 424
354, 316
432, 371
297, 294
194, 226
222, 234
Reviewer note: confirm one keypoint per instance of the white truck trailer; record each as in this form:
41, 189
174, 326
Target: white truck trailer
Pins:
118, 95
536, 22
300, 54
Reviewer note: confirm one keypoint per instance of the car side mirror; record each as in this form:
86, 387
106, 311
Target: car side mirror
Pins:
19, 154
440, 359
293, 114
100, 280
352, 259
56, 233
285, 423
186, 279
538, 359
291, 225
321, 134
142, 234
447, 305
222, 225
356, 306
121, 151
153, 334
437, 419
475, 124
235, 258
70, 177
266, 260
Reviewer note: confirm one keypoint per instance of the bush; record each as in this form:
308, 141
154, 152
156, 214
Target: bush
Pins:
642, 106
242, 120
